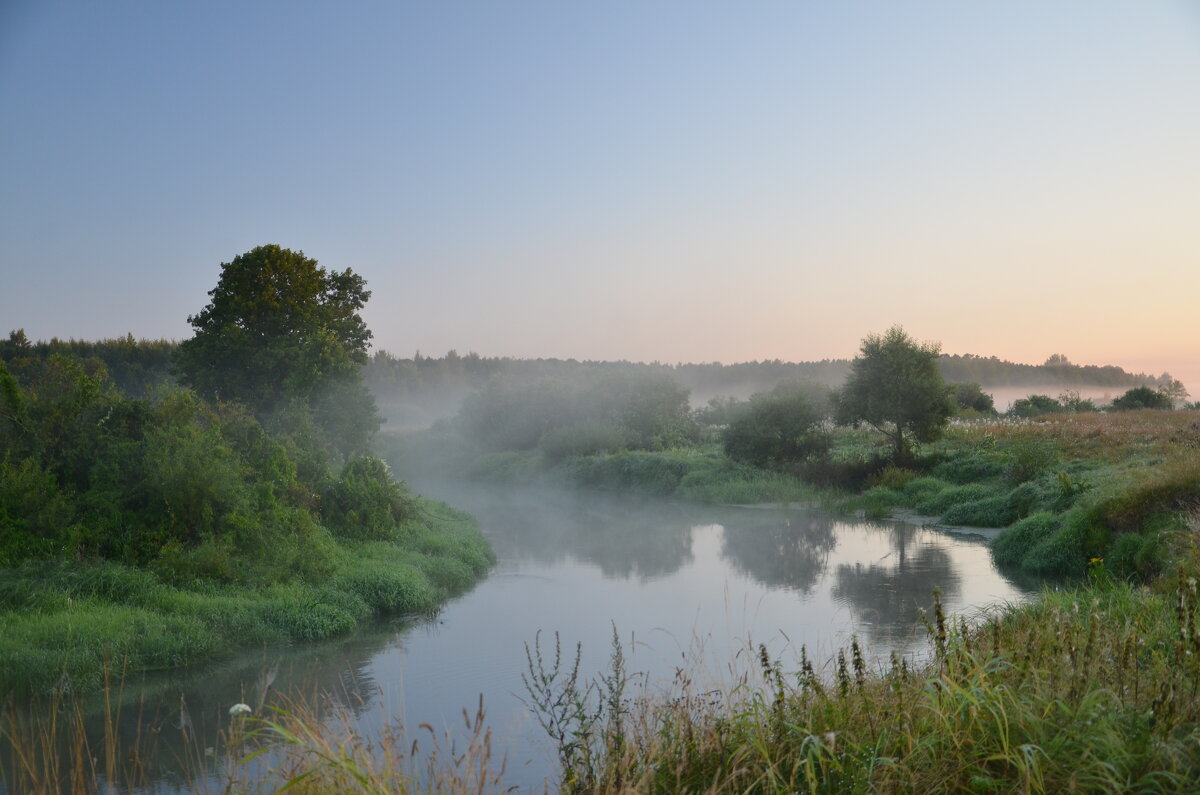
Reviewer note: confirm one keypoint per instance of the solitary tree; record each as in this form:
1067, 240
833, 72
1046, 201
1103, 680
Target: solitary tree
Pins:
280, 332
277, 326
895, 387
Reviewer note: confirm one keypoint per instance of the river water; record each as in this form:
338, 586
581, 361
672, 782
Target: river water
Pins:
685, 587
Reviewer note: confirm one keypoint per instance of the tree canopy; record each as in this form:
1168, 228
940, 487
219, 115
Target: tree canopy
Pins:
777, 429
278, 326
895, 387
1142, 397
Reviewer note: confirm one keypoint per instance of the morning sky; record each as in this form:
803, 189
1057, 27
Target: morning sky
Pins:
619, 180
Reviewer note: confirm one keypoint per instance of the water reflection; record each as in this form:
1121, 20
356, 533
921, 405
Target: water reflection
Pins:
886, 597
663, 573
626, 539
179, 714
781, 551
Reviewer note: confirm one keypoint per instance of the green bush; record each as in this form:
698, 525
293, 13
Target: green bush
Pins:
365, 503
988, 512
1136, 556
37, 520
996, 511
1027, 459
388, 589
1062, 553
1142, 397
1035, 406
1012, 546
919, 490
939, 503
778, 429
969, 468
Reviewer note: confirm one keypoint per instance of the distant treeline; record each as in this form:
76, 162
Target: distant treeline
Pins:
133, 365
404, 387
431, 383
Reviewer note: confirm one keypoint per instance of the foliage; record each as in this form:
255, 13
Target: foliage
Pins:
183, 498
970, 398
1034, 406
574, 418
895, 387
364, 503
61, 619
1011, 547
1072, 401
278, 328
1092, 689
777, 430
1142, 397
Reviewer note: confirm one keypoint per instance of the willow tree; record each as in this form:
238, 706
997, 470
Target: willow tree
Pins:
895, 387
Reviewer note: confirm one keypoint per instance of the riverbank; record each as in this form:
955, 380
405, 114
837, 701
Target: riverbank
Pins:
1090, 689
63, 624
1053, 492
1093, 687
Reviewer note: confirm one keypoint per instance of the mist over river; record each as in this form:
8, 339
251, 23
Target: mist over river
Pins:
687, 587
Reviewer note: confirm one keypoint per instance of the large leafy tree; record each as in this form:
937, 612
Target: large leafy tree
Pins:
895, 387
284, 336
278, 326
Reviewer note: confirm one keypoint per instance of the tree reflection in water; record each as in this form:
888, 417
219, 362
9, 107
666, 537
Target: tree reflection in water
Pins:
789, 552
886, 598
626, 538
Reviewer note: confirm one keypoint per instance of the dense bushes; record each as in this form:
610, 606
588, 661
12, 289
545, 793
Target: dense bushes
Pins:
1142, 397
777, 430
166, 529
364, 503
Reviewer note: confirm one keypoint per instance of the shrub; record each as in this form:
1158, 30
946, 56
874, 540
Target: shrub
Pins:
1142, 397
894, 477
1028, 458
643, 472
941, 502
969, 468
777, 429
1035, 406
1136, 555
364, 503
1011, 546
36, 519
1062, 553
919, 490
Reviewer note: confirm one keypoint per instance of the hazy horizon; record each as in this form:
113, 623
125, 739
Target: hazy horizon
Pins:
682, 182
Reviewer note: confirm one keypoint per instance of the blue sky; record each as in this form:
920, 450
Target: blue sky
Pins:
654, 181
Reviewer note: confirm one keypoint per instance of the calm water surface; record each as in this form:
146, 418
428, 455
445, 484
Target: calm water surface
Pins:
684, 586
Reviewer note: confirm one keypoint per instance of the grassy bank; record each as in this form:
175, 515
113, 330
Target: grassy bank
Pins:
62, 622
1088, 690
698, 473
1064, 488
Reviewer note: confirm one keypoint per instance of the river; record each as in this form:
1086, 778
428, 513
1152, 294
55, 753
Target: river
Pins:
686, 587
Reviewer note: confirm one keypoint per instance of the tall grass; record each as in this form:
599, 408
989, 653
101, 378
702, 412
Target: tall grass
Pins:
297, 744
1092, 690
